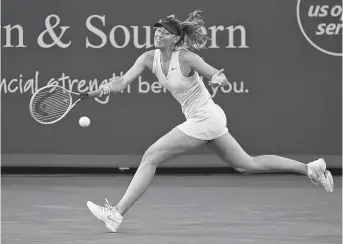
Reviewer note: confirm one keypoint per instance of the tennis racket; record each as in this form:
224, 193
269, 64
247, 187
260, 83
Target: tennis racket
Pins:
51, 103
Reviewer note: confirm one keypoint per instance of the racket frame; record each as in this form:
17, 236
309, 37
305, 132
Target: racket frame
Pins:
71, 104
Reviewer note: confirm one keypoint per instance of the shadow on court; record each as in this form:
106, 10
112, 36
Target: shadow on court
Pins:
258, 209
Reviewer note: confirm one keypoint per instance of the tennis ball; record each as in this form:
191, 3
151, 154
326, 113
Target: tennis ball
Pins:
84, 121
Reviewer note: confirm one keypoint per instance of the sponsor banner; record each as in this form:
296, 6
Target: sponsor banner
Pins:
282, 59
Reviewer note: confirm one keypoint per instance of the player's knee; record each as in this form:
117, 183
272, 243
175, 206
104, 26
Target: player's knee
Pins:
248, 167
242, 170
150, 158
247, 170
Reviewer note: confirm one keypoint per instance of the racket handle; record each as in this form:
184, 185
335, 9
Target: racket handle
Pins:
90, 94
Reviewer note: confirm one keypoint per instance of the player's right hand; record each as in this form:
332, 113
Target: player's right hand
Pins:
105, 90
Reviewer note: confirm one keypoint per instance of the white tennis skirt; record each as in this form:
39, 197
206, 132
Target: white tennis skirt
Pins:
206, 123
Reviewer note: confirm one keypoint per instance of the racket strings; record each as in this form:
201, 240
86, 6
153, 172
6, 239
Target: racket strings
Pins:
50, 111
51, 104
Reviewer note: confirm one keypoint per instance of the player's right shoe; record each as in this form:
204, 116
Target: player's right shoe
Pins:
319, 175
107, 214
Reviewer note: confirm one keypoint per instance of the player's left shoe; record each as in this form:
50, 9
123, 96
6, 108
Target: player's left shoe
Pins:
319, 175
106, 214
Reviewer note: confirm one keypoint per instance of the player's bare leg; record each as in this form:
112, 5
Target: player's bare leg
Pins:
172, 145
228, 149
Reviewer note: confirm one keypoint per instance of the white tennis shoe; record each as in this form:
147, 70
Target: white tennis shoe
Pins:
107, 214
319, 175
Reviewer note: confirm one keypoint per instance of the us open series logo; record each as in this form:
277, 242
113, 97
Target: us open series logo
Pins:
320, 22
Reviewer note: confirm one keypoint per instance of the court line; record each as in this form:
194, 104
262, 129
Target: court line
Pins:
164, 222
20, 214
176, 205
58, 207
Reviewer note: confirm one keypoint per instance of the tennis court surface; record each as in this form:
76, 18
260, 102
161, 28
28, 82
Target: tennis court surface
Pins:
230, 209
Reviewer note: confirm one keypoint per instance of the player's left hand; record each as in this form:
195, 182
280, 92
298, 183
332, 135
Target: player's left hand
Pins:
218, 79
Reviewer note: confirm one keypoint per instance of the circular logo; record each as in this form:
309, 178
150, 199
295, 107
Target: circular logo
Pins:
320, 22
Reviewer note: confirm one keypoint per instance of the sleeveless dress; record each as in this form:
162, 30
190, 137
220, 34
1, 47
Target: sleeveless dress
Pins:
205, 120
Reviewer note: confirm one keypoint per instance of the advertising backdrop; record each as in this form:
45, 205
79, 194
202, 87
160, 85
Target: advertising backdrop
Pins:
282, 59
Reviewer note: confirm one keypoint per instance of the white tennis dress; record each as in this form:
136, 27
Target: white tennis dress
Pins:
205, 120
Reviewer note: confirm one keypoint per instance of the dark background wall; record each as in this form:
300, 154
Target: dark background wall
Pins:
288, 96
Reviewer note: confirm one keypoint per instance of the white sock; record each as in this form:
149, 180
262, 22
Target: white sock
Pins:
117, 215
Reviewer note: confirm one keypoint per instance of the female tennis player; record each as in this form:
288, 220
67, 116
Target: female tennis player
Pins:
178, 69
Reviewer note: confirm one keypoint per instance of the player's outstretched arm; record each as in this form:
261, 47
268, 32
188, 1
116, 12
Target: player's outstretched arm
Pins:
216, 77
121, 83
